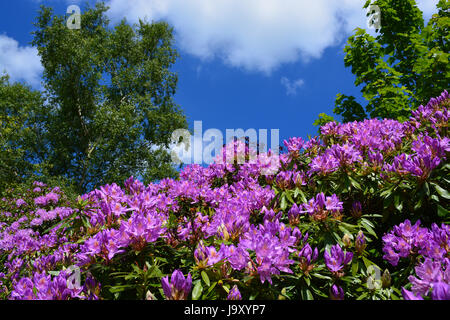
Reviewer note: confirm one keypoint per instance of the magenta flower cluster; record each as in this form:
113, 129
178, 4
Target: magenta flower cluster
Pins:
433, 246
367, 143
239, 221
321, 206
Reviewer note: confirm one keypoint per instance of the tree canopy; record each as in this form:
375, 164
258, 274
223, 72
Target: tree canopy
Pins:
21, 143
399, 69
109, 97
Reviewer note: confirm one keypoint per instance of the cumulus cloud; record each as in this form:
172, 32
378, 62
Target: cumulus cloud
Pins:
257, 35
292, 86
22, 63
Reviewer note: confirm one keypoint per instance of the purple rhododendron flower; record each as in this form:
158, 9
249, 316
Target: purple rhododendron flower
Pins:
307, 256
20, 202
293, 214
294, 144
428, 272
408, 295
320, 206
441, 291
432, 274
178, 288
336, 259
231, 211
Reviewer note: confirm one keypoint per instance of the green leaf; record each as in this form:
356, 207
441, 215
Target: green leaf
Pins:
308, 281
354, 183
283, 204
369, 263
345, 231
302, 196
418, 204
398, 203
426, 189
309, 295
197, 292
306, 294
355, 266
205, 278
442, 192
368, 226
318, 275
433, 197
442, 212
288, 196
387, 202
154, 272
253, 296
211, 287
117, 289
319, 293
362, 296
394, 296
385, 193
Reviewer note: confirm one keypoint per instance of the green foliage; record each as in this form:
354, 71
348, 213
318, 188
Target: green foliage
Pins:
21, 134
323, 119
402, 66
110, 110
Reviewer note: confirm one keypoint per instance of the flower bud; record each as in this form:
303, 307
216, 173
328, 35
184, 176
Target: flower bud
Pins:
336, 293
178, 287
294, 214
356, 210
222, 230
234, 294
386, 279
305, 238
347, 241
360, 243
297, 234
269, 179
298, 179
283, 180
200, 255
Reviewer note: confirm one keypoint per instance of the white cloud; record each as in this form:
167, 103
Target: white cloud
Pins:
21, 63
292, 86
254, 34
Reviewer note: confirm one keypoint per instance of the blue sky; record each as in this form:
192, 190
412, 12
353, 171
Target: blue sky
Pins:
262, 64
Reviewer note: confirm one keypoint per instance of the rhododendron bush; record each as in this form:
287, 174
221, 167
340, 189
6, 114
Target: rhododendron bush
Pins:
358, 212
